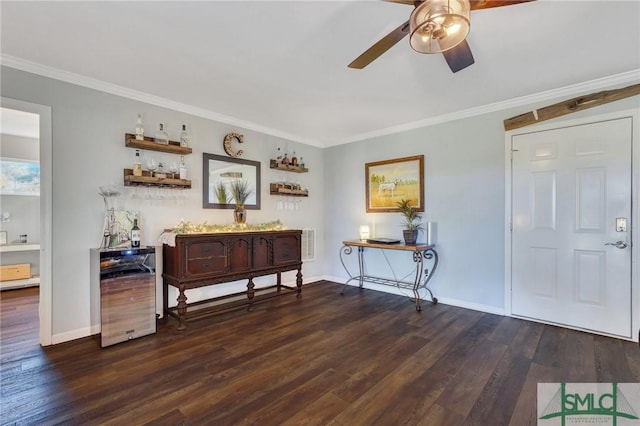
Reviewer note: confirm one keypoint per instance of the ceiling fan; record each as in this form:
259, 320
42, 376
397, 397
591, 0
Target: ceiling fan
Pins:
435, 26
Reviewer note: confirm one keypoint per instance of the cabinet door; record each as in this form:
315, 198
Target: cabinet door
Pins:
206, 257
127, 307
262, 252
286, 249
240, 254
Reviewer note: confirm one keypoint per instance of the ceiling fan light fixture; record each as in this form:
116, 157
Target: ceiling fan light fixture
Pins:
436, 26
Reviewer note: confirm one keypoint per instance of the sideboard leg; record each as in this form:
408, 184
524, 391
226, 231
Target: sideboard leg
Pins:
182, 310
279, 281
299, 283
250, 293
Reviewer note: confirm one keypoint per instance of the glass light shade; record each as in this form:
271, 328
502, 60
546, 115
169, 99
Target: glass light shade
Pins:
364, 232
438, 25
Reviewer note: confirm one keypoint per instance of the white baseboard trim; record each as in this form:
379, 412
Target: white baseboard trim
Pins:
444, 300
72, 335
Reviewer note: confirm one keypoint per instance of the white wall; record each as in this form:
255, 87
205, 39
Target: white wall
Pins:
89, 151
465, 197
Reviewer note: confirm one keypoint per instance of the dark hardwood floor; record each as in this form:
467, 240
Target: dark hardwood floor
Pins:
365, 358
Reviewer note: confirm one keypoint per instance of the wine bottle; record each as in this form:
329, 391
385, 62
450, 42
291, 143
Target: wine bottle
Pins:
139, 129
135, 234
184, 136
183, 168
161, 136
137, 164
294, 159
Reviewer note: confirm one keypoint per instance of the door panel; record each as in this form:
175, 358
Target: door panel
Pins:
569, 186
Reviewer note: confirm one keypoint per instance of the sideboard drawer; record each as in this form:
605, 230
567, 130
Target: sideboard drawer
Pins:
205, 249
211, 265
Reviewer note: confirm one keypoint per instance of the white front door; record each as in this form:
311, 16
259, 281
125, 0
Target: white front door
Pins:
572, 199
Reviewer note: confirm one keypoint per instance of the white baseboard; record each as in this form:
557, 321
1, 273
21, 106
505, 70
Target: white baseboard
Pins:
444, 300
71, 335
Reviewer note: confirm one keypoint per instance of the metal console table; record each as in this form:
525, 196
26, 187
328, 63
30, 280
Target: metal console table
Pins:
422, 275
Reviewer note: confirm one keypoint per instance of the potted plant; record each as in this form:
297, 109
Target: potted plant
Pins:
412, 221
240, 192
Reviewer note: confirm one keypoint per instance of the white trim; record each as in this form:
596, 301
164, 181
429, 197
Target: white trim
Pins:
634, 114
114, 89
80, 80
444, 300
46, 154
72, 335
572, 90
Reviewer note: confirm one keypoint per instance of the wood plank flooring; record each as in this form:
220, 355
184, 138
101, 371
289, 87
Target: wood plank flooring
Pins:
365, 358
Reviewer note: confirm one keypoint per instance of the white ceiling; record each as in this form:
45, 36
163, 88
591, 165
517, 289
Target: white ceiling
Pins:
281, 66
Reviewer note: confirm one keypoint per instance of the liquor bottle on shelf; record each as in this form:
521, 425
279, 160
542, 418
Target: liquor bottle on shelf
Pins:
135, 234
285, 159
278, 156
137, 164
161, 136
301, 162
139, 129
160, 172
294, 159
183, 168
184, 136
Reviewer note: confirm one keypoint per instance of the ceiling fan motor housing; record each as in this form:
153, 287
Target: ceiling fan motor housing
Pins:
439, 25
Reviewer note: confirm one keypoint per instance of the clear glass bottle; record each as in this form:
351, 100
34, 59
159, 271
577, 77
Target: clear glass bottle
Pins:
161, 136
278, 155
137, 164
285, 159
294, 159
184, 136
139, 129
183, 168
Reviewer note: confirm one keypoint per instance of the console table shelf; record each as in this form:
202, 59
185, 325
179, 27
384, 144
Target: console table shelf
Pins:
422, 275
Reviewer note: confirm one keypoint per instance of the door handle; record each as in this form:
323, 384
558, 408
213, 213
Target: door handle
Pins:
618, 244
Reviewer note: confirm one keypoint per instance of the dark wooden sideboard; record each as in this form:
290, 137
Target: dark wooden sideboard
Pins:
199, 260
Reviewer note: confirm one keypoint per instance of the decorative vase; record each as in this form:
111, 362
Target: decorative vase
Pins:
239, 214
410, 236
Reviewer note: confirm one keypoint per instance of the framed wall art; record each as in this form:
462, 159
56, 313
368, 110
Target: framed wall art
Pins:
390, 181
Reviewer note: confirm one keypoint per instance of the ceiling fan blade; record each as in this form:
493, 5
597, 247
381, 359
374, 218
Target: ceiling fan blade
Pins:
384, 44
409, 2
486, 4
459, 57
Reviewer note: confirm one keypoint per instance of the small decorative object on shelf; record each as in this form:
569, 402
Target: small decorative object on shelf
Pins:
278, 155
137, 164
149, 144
287, 188
294, 159
139, 129
285, 160
183, 168
274, 164
162, 137
160, 172
184, 136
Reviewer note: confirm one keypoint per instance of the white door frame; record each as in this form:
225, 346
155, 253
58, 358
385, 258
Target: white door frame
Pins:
635, 167
46, 151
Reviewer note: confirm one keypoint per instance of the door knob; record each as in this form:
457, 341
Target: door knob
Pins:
618, 244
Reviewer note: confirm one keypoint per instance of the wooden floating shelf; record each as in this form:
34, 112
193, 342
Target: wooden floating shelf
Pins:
287, 168
149, 144
274, 189
147, 180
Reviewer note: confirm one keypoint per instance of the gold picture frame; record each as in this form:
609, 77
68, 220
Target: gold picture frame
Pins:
390, 181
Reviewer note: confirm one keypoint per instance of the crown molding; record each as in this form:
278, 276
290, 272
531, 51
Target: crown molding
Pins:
80, 80
571, 90
114, 89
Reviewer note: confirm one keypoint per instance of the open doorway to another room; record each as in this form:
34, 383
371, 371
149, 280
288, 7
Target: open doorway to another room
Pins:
25, 206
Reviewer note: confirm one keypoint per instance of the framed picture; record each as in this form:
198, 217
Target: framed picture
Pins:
390, 181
